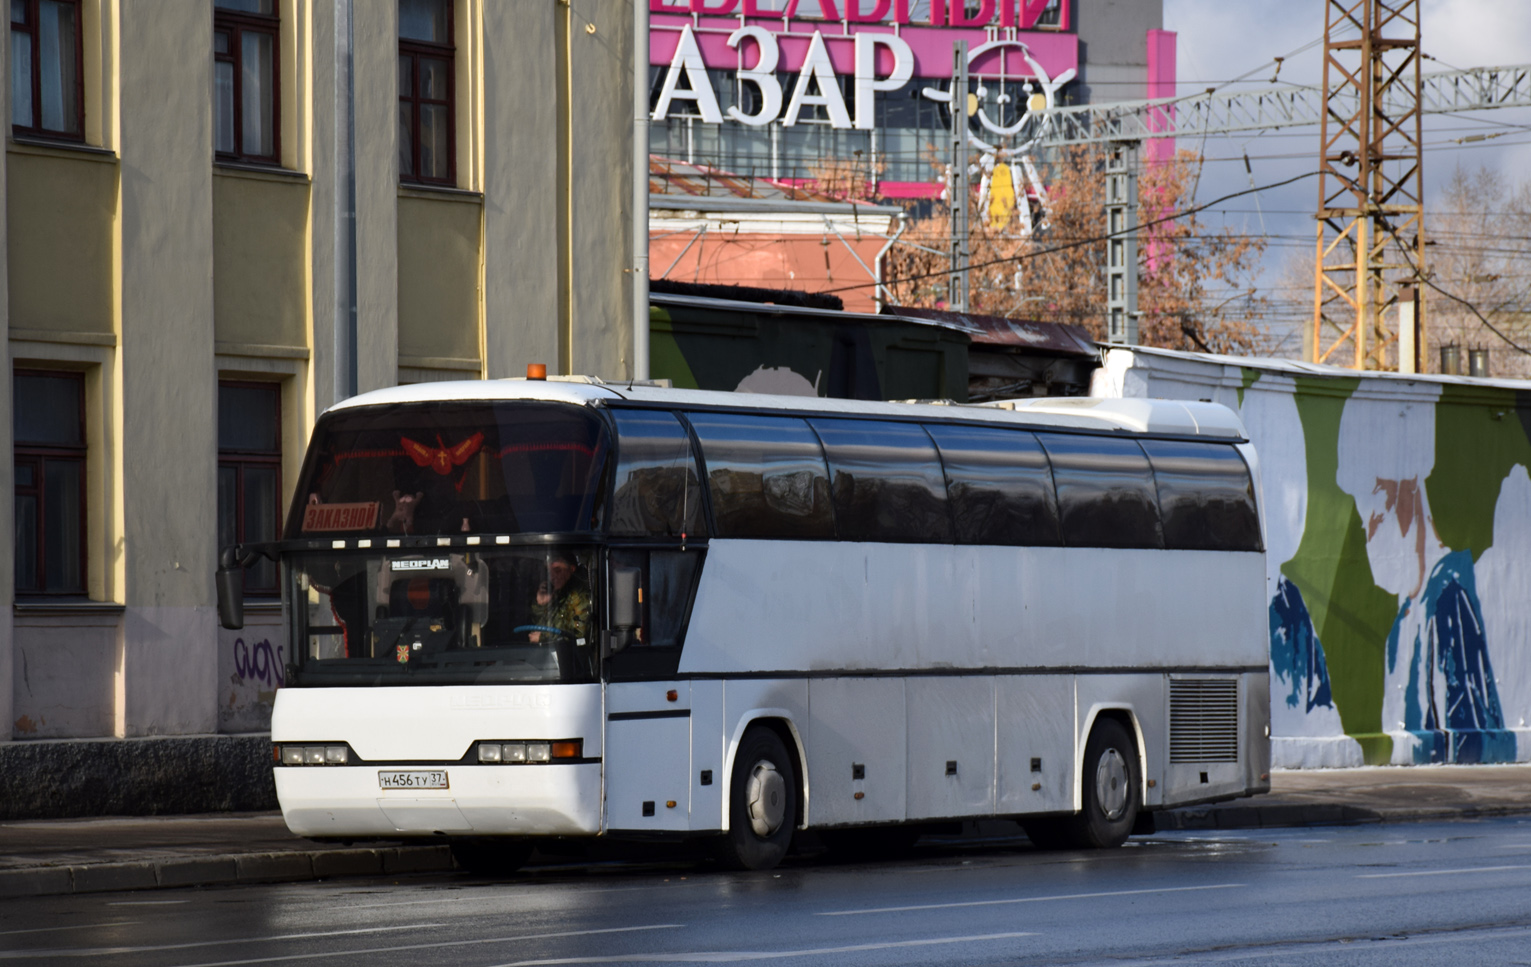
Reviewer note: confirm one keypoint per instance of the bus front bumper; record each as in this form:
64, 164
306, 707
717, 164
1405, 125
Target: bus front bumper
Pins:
348, 801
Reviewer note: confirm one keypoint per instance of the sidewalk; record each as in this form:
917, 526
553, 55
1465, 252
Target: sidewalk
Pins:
40, 857
1389, 794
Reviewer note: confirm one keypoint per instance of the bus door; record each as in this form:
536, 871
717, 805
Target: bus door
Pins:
648, 709
648, 756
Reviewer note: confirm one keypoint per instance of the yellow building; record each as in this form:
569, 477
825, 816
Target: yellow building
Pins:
200, 196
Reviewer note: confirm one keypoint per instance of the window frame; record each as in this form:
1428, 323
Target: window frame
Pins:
1182, 526
237, 460
961, 473
39, 455
415, 50
696, 526
716, 519
849, 500
1067, 454
32, 29
236, 22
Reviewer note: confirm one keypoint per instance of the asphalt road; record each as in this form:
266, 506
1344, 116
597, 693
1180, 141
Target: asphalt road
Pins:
1397, 894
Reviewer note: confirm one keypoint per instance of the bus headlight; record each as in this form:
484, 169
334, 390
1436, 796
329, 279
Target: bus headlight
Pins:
535, 753
311, 755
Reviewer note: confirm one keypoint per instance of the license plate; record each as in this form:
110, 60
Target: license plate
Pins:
430, 779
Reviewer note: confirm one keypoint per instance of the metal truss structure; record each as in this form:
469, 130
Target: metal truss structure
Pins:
1371, 209
1445, 92
1370, 247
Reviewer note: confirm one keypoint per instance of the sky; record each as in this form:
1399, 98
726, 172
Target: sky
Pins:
1219, 41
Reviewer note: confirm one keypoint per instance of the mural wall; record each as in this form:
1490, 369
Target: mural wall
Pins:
1398, 533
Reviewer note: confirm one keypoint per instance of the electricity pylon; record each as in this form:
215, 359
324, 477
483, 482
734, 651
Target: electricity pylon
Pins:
1371, 232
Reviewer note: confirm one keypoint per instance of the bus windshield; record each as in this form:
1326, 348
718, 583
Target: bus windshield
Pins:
452, 468
455, 616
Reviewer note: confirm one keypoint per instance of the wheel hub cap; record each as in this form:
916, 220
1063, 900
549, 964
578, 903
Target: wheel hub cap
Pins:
1111, 784
765, 794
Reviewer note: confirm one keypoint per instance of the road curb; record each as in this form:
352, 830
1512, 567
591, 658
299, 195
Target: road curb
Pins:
221, 870
1317, 814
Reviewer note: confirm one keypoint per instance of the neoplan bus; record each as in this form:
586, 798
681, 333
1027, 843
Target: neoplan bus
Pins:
523, 611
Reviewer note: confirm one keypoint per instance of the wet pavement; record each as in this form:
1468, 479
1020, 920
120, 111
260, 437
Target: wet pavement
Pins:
1370, 895
41, 857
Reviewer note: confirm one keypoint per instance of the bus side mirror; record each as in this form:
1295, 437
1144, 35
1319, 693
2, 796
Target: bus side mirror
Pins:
625, 605
231, 590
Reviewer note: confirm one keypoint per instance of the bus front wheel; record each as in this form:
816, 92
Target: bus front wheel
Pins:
762, 805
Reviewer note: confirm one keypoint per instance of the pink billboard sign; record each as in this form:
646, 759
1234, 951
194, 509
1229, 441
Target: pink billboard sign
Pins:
938, 13
1053, 51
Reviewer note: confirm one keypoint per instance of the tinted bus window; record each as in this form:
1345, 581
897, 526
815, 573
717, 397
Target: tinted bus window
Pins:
999, 485
886, 482
1206, 496
1105, 491
656, 491
765, 475
452, 468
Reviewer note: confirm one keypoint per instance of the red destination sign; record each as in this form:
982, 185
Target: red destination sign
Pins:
340, 517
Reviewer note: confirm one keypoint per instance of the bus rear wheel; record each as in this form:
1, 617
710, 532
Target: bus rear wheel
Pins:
762, 804
1112, 789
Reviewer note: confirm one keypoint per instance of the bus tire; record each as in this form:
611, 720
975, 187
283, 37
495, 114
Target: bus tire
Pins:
491, 857
1111, 788
762, 803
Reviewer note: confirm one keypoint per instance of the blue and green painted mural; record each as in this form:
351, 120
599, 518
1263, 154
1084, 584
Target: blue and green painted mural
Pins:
1398, 523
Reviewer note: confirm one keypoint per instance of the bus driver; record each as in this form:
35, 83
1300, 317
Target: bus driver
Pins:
563, 602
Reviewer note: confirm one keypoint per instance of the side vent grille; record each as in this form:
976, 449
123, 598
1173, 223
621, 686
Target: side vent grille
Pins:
1204, 720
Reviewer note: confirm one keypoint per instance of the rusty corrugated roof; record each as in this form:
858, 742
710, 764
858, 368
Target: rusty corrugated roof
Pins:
1049, 337
668, 176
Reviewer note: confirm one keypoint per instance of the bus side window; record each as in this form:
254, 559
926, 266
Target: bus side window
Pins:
1206, 496
1000, 485
1106, 494
766, 476
667, 583
672, 582
885, 481
656, 492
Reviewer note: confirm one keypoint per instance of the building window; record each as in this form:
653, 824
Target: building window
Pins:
250, 473
246, 99
50, 482
427, 96
47, 83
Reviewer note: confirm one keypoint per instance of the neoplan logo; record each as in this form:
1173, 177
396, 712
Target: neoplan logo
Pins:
423, 564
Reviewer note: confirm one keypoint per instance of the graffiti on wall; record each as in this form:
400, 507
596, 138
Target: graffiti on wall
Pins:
252, 665
260, 662
1398, 553
1399, 523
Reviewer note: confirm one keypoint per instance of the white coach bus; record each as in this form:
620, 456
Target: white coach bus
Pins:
533, 610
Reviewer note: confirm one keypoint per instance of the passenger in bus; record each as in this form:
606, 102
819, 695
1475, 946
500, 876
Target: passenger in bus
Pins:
563, 602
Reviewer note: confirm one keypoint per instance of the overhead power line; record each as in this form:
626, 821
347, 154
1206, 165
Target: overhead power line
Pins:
1090, 240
